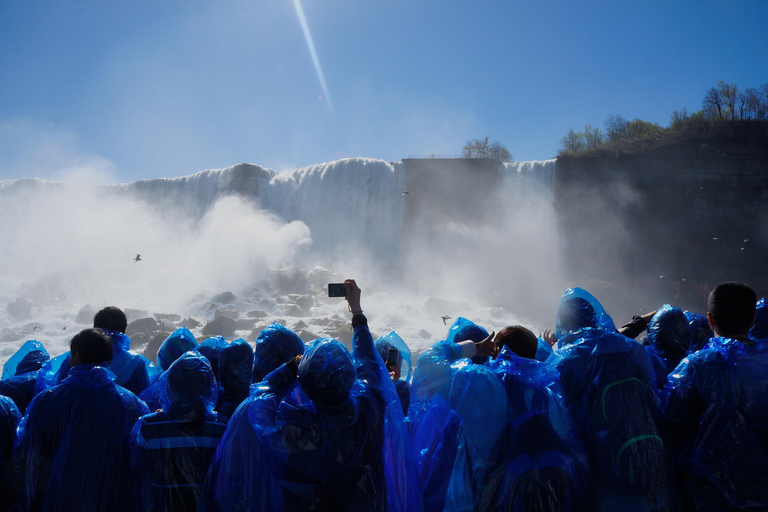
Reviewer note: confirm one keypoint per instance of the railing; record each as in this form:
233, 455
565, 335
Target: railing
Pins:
435, 156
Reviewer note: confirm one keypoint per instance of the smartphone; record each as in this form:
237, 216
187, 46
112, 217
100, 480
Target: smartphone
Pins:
392, 356
337, 290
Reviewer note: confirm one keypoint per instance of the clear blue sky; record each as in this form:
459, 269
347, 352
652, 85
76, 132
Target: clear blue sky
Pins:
119, 90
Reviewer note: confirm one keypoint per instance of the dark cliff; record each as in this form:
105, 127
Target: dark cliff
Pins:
672, 221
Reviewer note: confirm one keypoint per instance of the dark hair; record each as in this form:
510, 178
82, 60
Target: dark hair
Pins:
733, 308
92, 345
111, 318
520, 340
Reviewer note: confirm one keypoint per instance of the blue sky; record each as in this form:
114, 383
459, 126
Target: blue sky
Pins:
118, 90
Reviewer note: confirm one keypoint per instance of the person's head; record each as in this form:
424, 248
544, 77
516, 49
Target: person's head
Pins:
275, 346
180, 341
669, 332
90, 346
211, 349
519, 340
186, 386
111, 318
701, 332
731, 310
392, 340
235, 366
33, 361
326, 372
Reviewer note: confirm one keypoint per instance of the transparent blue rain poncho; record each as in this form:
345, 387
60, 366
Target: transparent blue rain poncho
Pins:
172, 449
132, 371
759, 331
544, 465
701, 333
402, 386
275, 346
579, 309
9, 420
72, 447
211, 349
327, 439
669, 338
21, 371
434, 426
180, 341
610, 389
235, 368
716, 403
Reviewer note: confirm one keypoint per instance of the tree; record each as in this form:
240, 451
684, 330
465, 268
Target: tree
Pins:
679, 120
713, 103
477, 148
616, 127
573, 142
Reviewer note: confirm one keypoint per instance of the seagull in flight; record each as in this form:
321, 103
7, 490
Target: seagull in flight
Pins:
137, 258
403, 193
445, 317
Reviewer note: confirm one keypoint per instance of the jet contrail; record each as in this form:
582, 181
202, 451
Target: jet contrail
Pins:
312, 52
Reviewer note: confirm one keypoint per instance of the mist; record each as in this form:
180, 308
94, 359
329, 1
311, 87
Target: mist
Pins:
268, 238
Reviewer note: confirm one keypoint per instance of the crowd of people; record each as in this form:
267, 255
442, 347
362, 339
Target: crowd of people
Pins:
584, 417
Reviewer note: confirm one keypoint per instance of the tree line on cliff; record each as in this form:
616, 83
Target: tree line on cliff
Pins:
727, 114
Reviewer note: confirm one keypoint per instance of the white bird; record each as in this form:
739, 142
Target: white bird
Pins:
445, 317
137, 258
403, 193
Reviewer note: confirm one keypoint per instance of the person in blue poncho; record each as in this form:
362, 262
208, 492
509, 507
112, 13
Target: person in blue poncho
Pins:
759, 330
20, 386
669, 337
275, 346
9, 420
235, 367
701, 333
321, 432
172, 449
610, 389
399, 366
717, 403
72, 447
181, 340
211, 348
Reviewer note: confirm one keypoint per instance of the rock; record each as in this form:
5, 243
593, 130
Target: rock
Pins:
170, 317
139, 339
306, 336
85, 315
20, 309
424, 334
288, 310
191, 323
222, 326
305, 301
33, 328
147, 324
229, 312
245, 324
257, 313
289, 280
224, 298
135, 314
299, 325
7, 334
154, 345
319, 277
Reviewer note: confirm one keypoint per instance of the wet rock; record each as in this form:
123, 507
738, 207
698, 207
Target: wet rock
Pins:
305, 301
85, 315
170, 317
147, 324
245, 324
224, 298
190, 323
154, 345
289, 310
257, 313
19, 309
7, 334
135, 314
424, 334
221, 326
229, 312
33, 328
306, 336
289, 280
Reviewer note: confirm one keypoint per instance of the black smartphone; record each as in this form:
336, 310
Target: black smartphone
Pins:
392, 356
336, 290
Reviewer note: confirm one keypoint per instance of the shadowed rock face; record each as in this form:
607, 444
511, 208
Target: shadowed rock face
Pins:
693, 213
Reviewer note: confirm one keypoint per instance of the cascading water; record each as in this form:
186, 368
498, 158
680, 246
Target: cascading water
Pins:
67, 245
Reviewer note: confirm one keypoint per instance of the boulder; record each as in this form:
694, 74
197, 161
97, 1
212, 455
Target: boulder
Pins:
228, 312
256, 313
20, 309
224, 298
135, 314
85, 315
147, 325
170, 317
221, 326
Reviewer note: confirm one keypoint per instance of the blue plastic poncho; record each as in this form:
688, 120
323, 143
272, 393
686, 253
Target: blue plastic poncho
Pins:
610, 390
580, 309
275, 346
172, 449
211, 349
132, 371
402, 386
181, 340
434, 425
717, 404
301, 444
9, 420
72, 447
24, 367
669, 338
52, 372
544, 465
759, 331
543, 350
701, 333
235, 368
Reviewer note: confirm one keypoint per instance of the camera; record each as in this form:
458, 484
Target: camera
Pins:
337, 290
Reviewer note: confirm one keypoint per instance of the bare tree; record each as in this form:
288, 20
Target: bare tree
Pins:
729, 93
713, 103
616, 127
679, 120
477, 148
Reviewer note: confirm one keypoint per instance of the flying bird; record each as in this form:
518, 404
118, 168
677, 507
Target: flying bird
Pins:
403, 193
445, 317
137, 258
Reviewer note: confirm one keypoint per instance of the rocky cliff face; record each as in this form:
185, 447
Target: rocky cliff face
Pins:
676, 219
